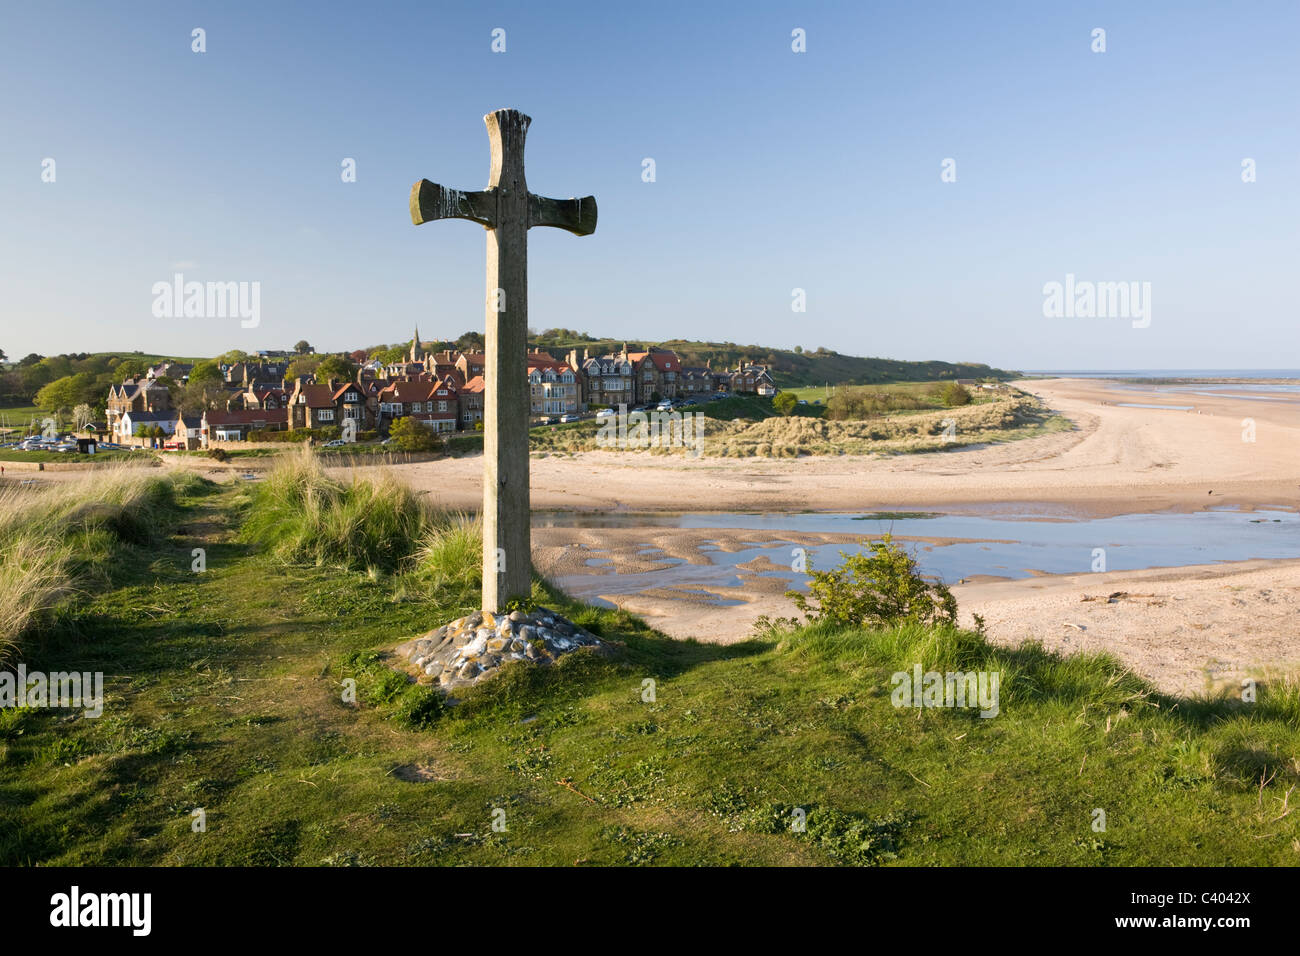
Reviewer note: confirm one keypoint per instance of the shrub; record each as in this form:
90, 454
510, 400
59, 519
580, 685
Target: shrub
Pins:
953, 394
856, 404
880, 586
410, 435
785, 402
218, 454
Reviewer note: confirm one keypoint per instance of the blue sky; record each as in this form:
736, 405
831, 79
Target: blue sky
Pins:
774, 171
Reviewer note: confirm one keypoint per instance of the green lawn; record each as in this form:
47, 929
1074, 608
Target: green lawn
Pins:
225, 693
106, 455
23, 417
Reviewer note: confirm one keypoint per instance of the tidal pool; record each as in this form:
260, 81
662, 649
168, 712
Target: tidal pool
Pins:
1011, 546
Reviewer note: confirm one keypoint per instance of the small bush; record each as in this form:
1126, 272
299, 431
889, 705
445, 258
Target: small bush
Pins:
880, 587
410, 435
953, 395
785, 402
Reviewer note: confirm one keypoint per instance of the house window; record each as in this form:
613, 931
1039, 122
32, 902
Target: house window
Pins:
442, 406
325, 415
417, 407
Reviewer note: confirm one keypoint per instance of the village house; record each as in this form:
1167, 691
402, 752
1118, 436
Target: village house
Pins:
219, 425
746, 378
242, 374
657, 374
135, 395
552, 386
606, 380
472, 396
351, 403
137, 428
470, 364
696, 380
312, 406
435, 404
186, 433
264, 396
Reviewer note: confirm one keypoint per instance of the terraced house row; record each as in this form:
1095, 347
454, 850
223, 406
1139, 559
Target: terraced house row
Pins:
443, 390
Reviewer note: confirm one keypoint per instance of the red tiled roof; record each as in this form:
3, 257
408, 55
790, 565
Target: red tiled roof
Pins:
318, 396
543, 360
247, 417
406, 392
475, 384
664, 361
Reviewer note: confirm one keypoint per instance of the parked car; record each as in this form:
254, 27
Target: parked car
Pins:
565, 419
605, 413
336, 443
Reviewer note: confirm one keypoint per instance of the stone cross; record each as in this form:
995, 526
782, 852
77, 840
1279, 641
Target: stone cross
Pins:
507, 210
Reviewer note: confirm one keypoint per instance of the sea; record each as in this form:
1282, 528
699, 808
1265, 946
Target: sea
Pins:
1170, 373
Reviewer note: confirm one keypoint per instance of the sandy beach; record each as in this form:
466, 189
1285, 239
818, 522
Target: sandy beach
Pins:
1118, 460
1188, 629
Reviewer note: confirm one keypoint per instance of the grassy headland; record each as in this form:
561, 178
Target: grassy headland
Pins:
226, 692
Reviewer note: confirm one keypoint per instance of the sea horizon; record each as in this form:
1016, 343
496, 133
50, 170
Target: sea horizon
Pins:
1170, 373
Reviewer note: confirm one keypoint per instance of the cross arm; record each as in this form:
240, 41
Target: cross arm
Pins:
429, 201
578, 216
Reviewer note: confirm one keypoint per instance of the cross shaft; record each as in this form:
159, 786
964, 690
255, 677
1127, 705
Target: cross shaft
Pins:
507, 210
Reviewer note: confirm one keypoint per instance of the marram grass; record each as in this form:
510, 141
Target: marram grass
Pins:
57, 537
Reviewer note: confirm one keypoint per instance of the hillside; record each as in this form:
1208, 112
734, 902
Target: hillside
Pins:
789, 368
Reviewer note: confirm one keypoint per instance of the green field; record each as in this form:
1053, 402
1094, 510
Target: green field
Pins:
225, 692
107, 455
24, 417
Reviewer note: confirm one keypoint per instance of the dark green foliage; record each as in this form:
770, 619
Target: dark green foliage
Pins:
880, 586
952, 395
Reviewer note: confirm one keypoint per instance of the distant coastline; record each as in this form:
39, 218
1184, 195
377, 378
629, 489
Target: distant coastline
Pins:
1175, 374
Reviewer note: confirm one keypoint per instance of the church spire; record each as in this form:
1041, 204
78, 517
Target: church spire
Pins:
415, 346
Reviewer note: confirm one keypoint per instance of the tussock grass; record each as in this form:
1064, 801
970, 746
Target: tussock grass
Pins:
451, 551
57, 538
300, 514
